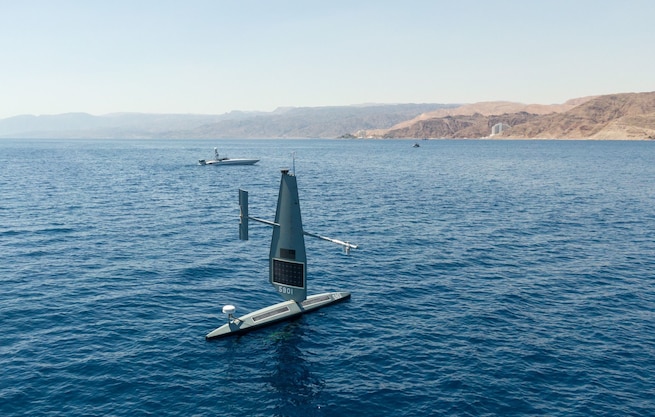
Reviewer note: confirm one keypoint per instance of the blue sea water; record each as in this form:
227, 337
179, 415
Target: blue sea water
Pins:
493, 278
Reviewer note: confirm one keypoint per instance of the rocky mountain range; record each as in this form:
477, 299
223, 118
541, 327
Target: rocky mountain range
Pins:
302, 122
615, 116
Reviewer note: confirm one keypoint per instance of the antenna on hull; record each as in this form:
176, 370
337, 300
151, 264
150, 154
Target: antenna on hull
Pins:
293, 162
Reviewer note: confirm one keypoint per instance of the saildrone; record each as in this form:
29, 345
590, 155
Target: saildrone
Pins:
287, 268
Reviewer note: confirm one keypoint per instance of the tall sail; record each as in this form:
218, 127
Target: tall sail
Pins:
288, 268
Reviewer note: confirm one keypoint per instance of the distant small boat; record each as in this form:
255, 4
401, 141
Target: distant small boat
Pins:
227, 161
416, 145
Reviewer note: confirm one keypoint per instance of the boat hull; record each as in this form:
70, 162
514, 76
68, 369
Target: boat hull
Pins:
276, 313
229, 162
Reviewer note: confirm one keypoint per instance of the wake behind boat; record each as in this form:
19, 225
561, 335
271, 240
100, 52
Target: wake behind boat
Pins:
227, 161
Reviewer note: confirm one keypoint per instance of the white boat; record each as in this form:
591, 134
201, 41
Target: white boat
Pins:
287, 265
227, 161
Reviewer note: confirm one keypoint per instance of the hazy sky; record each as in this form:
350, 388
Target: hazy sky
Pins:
214, 56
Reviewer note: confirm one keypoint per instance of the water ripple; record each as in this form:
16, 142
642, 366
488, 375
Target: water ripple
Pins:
493, 278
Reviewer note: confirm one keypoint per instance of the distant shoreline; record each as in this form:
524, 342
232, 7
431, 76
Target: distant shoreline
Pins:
626, 116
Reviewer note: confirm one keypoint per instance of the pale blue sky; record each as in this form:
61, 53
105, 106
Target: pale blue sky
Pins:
214, 56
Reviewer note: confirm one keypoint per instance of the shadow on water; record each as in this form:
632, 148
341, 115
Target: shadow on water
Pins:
272, 365
292, 379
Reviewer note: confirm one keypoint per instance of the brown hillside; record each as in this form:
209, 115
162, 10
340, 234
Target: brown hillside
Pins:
487, 108
459, 126
616, 116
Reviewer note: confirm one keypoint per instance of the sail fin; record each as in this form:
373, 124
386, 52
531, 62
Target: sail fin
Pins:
243, 214
288, 260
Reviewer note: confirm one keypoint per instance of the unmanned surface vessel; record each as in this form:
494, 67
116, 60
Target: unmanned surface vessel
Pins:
287, 265
226, 161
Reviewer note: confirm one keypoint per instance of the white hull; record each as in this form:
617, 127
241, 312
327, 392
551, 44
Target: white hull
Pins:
285, 310
228, 161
